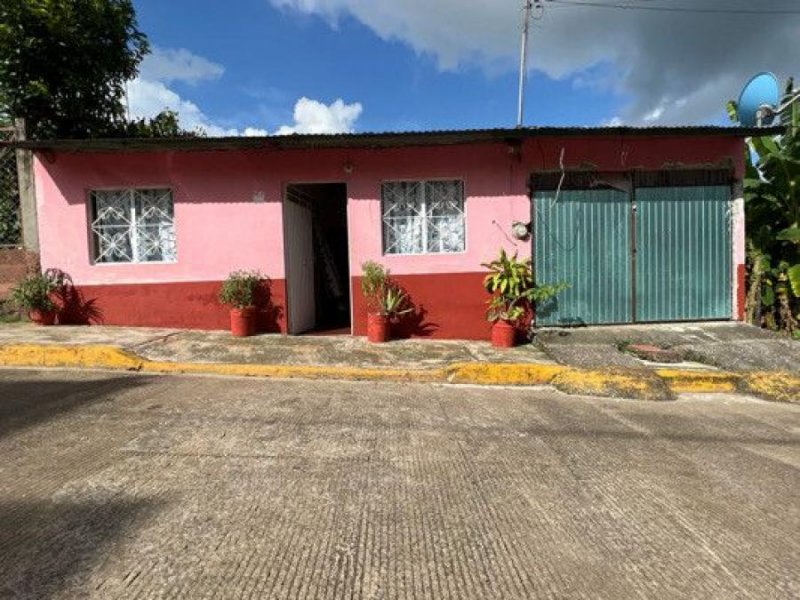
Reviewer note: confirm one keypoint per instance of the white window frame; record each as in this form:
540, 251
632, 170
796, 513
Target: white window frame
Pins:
95, 233
422, 183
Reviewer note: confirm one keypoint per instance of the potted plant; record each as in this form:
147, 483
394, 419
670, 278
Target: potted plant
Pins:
33, 294
510, 282
385, 301
239, 292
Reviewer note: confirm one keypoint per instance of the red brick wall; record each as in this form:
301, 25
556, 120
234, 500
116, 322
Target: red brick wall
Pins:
15, 264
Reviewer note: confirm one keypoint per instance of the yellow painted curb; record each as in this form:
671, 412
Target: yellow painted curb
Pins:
503, 373
655, 385
699, 382
54, 355
614, 384
784, 387
297, 371
112, 357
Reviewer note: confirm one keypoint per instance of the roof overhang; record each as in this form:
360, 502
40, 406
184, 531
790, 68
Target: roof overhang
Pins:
378, 140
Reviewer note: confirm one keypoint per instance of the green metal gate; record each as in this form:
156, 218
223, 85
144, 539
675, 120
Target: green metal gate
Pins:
683, 258
676, 267
583, 238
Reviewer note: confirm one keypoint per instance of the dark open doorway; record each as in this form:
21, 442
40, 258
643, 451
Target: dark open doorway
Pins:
320, 298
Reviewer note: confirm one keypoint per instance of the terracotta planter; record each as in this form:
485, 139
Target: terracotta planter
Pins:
377, 328
43, 317
243, 321
504, 334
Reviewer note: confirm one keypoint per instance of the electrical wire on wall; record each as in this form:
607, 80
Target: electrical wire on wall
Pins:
561, 180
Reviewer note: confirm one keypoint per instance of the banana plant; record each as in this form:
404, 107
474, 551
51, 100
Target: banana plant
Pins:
772, 208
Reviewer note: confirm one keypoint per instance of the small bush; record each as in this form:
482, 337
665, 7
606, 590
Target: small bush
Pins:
34, 293
240, 288
374, 280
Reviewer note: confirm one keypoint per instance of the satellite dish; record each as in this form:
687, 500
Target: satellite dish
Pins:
759, 98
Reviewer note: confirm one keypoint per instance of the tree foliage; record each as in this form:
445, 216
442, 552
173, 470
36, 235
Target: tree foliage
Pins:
772, 208
64, 64
164, 124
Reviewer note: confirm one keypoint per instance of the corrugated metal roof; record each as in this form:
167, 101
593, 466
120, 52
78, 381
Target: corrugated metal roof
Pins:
387, 139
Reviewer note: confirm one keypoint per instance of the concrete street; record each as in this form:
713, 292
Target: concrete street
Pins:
116, 485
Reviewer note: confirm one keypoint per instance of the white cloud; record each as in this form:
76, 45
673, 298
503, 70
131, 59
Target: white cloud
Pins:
147, 98
171, 64
654, 115
311, 116
150, 94
669, 66
254, 132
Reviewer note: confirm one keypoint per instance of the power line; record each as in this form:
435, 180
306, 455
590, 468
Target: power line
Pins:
523, 59
681, 9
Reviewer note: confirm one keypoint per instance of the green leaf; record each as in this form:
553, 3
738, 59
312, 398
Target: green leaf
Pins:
752, 182
733, 111
793, 273
768, 296
790, 234
770, 145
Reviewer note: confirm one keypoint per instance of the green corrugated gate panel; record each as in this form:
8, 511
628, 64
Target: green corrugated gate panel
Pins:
583, 238
683, 259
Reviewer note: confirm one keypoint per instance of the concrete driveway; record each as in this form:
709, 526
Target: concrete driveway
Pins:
726, 345
127, 486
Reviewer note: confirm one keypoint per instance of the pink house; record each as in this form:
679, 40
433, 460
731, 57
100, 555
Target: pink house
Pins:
644, 224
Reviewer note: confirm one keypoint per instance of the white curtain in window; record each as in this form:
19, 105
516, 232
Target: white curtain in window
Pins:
423, 217
112, 226
133, 226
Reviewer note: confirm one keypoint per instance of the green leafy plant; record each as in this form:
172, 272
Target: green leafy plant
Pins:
395, 302
772, 212
240, 288
384, 296
511, 283
34, 293
374, 282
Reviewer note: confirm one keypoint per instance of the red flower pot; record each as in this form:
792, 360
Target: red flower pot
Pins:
243, 321
504, 334
377, 328
42, 317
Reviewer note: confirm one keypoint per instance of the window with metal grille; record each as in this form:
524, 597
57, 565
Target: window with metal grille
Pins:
133, 226
423, 217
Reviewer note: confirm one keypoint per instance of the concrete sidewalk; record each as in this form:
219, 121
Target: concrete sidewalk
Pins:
177, 345
590, 361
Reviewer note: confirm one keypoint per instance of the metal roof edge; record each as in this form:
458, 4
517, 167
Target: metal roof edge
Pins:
379, 139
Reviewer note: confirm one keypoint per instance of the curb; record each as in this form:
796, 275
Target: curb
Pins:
661, 384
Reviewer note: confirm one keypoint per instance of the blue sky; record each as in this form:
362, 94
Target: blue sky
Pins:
242, 66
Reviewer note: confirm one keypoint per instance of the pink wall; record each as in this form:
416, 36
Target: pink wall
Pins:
228, 203
219, 228
228, 210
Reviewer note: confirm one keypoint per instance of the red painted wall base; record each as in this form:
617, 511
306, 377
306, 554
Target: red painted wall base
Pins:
191, 305
446, 306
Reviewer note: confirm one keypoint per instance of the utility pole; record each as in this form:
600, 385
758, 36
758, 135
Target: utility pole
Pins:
523, 61
523, 57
